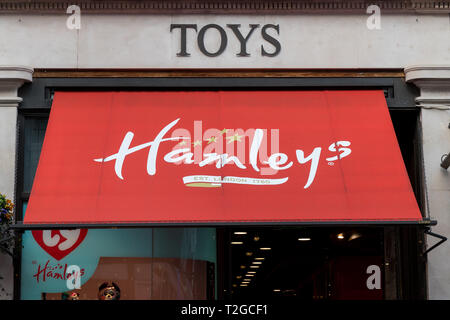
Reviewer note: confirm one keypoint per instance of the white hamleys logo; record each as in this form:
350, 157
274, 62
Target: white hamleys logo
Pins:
269, 164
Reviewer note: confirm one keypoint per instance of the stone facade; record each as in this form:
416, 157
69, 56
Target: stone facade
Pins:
413, 36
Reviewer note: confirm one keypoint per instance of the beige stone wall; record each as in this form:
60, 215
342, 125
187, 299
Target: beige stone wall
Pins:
145, 41
11, 78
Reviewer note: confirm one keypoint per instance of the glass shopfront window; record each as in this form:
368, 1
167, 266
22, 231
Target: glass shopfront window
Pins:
34, 133
135, 264
310, 263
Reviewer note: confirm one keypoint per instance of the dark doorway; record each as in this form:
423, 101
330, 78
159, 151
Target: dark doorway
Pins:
308, 263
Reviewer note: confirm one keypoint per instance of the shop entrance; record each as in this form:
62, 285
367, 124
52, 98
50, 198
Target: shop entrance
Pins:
307, 263
323, 267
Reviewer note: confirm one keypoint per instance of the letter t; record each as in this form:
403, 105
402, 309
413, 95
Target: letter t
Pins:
183, 28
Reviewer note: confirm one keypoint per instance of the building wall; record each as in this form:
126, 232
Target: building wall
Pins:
145, 41
436, 142
308, 41
8, 118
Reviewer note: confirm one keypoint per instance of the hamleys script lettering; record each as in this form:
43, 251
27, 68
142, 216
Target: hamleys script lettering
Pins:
276, 161
57, 271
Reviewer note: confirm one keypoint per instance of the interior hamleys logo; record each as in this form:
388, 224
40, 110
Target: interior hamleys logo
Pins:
208, 149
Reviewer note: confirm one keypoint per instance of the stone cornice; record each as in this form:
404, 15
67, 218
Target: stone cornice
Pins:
11, 79
434, 84
427, 72
221, 6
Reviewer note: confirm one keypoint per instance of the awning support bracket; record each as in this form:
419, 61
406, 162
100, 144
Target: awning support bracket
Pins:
443, 239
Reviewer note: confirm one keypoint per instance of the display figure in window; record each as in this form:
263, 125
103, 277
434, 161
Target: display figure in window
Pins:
70, 296
109, 291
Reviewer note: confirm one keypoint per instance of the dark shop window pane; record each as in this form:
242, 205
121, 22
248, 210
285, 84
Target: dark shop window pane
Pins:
34, 137
307, 263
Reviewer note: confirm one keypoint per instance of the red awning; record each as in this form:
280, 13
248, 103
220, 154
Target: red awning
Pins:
197, 157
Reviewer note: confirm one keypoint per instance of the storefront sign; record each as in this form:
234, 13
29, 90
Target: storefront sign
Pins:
136, 157
222, 34
183, 156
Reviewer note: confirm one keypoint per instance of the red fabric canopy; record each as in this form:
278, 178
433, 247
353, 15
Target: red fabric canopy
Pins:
233, 156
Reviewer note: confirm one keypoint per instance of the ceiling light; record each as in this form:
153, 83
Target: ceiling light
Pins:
249, 254
304, 239
247, 280
340, 236
259, 258
257, 262
240, 232
243, 285
256, 238
354, 236
276, 290
254, 267
265, 248
238, 277
251, 271
249, 275
237, 242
